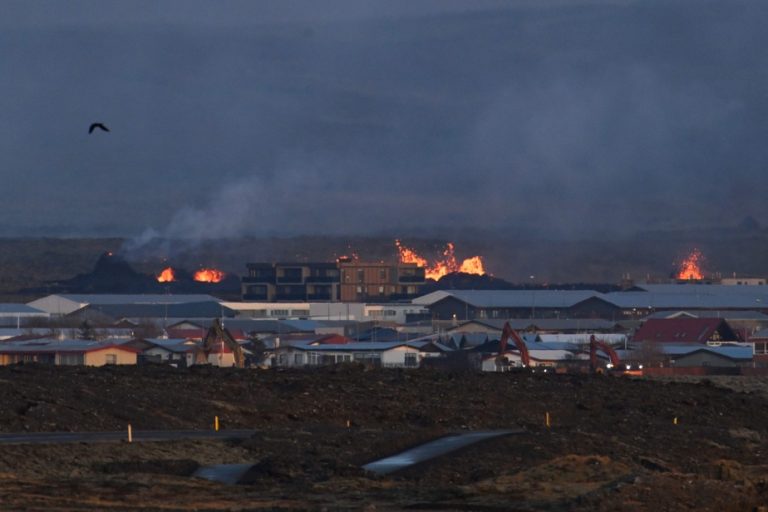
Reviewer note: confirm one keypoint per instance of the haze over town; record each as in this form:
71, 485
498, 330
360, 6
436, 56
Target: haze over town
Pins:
564, 119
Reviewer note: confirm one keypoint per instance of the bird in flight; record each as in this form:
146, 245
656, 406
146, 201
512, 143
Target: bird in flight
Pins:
97, 125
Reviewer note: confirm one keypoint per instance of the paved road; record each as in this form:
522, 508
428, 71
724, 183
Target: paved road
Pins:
105, 437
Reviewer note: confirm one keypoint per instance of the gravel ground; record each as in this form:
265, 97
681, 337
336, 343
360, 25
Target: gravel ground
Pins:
614, 443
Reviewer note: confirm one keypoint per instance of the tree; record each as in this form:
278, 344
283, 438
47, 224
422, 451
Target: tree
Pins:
257, 347
86, 331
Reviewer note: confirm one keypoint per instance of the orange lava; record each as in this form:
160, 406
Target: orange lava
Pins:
209, 275
690, 268
166, 276
448, 264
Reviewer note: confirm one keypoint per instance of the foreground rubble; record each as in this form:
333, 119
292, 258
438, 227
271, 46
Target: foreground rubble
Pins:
613, 443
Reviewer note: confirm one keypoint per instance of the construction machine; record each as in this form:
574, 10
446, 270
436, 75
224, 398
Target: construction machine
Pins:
614, 366
218, 336
507, 333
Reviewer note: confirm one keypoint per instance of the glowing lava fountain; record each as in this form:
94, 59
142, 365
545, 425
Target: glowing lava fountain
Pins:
448, 264
166, 276
209, 275
690, 268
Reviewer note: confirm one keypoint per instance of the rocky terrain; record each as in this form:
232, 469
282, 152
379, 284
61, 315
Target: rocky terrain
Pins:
614, 443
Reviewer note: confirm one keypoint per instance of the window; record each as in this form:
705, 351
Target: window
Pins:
381, 290
361, 276
71, 359
411, 360
110, 358
279, 312
382, 274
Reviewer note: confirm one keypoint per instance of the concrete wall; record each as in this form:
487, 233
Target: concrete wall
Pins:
99, 357
222, 359
396, 356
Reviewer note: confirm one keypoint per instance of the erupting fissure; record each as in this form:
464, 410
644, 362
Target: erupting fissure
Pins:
166, 276
690, 268
448, 264
209, 275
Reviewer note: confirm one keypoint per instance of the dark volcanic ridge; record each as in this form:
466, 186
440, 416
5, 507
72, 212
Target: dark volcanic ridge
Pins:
113, 274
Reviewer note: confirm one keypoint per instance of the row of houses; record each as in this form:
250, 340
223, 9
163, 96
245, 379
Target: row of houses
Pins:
660, 342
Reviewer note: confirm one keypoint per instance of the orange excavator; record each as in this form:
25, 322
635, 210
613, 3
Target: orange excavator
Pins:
615, 365
508, 333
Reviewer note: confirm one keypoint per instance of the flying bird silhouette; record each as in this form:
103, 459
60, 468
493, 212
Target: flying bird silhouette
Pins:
97, 125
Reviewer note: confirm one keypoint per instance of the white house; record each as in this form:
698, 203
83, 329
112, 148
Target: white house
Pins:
385, 354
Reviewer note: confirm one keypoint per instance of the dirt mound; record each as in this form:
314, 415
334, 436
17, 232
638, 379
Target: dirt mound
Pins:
612, 444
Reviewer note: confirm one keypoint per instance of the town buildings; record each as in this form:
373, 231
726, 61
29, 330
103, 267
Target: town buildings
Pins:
346, 280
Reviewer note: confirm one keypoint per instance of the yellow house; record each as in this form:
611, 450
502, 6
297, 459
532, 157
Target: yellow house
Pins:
67, 352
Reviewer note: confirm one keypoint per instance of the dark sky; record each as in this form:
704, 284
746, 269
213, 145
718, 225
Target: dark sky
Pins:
290, 117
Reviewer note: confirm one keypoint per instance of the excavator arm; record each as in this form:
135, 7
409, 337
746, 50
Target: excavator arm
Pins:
594, 346
216, 335
507, 334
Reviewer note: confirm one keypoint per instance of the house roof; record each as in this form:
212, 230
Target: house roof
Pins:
726, 314
511, 298
652, 300
695, 330
739, 352
150, 298
54, 346
700, 289
544, 324
210, 308
247, 325
174, 345
8, 308
367, 346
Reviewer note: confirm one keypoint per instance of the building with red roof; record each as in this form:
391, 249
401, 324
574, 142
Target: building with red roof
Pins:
686, 330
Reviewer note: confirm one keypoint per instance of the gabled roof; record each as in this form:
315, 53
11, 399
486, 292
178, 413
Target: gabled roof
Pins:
725, 314
366, 346
650, 300
149, 298
256, 325
7, 308
700, 289
54, 346
693, 330
492, 346
738, 352
210, 308
544, 324
174, 345
511, 298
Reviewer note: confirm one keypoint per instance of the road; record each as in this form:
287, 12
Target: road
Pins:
106, 437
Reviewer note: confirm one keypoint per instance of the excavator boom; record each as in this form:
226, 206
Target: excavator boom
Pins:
595, 345
217, 335
508, 333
